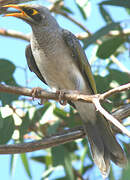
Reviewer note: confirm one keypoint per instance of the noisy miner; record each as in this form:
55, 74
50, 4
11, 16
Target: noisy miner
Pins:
57, 58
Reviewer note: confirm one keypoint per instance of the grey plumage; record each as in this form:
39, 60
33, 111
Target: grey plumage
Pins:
61, 67
58, 59
32, 64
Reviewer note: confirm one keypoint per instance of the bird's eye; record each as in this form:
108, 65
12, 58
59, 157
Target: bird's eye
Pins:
31, 12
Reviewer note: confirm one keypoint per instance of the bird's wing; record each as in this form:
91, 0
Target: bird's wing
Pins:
32, 64
80, 57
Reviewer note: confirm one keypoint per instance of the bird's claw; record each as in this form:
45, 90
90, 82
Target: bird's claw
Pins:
61, 95
36, 91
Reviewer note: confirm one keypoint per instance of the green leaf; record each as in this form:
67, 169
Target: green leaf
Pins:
43, 159
118, 76
126, 172
26, 164
84, 7
68, 166
122, 3
7, 128
128, 10
61, 156
40, 159
74, 120
6, 70
48, 161
7, 98
60, 113
106, 16
58, 155
83, 156
101, 32
13, 160
66, 9
108, 47
53, 128
103, 83
40, 112
71, 147
24, 126
111, 175
62, 178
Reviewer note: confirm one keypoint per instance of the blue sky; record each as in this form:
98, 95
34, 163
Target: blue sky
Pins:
14, 50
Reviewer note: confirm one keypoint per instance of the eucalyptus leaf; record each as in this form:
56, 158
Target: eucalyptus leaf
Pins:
7, 128
122, 3
84, 7
66, 9
13, 161
24, 126
60, 113
105, 14
40, 159
61, 156
40, 112
101, 32
26, 164
126, 172
47, 160
109, 47
128, 11
7, 69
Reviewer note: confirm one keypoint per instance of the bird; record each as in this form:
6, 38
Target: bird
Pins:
56, 56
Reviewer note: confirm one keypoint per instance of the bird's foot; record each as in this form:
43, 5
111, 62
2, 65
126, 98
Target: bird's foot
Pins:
61, 96
36, 91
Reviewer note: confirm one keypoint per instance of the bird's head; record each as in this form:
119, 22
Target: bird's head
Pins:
32, 14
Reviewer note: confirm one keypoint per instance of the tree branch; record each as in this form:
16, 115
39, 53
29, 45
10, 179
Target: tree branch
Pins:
14, 34
68, 94
109, 117
75, 22
57, 139
74, 96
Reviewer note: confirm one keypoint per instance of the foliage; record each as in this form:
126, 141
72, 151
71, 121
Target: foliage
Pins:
18, 114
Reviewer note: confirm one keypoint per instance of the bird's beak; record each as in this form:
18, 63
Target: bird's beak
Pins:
20, 14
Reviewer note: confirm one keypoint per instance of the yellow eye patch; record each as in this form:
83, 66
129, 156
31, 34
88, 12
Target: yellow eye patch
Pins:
30, 11
34, 12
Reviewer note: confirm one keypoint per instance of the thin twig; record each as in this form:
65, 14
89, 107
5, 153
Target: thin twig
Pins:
110, 117
76, 22
118, 89
119, 64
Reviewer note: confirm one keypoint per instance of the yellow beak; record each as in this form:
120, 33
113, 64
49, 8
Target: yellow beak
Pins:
20, 14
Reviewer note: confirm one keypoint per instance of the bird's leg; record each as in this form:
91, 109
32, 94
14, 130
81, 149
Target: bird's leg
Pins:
35, 91
61, 95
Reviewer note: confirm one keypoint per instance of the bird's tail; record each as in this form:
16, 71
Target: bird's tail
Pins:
104, 146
